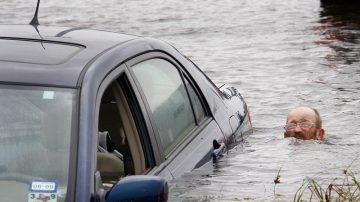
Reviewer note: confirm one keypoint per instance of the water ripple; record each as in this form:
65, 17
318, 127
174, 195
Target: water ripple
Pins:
280, 54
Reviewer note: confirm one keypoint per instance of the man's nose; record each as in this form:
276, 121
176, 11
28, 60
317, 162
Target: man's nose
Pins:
297, 128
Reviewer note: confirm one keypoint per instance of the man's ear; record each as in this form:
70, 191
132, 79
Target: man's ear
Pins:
285, 135
320, 134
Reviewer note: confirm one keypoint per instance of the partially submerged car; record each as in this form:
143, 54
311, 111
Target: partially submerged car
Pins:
87, 115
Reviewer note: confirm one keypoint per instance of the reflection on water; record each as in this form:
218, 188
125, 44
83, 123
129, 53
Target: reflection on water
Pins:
280, 54
340, 24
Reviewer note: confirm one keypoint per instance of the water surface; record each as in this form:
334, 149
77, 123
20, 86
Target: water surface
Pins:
280, 54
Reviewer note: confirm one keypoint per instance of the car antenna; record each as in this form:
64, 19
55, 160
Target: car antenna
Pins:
35, 22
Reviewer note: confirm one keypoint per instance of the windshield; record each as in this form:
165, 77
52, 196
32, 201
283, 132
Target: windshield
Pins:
35, 131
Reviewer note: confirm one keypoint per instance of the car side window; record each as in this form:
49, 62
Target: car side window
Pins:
195, 100
167, 97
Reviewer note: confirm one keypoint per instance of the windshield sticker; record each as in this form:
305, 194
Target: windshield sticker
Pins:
42, 191
48, 95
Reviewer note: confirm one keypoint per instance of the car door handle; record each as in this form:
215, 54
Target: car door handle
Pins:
219, 148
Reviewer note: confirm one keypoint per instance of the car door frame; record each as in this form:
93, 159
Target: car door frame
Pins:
196, 133
93, 86
113, 76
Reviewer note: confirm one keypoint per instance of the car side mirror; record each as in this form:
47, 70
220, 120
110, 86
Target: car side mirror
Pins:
229, 91
138, 188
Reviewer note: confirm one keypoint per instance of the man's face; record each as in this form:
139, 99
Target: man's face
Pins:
301, 124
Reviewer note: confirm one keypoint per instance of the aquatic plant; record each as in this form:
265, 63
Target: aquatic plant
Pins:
344, 188
277, 179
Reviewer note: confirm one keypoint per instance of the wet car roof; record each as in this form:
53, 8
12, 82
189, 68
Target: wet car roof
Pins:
53, 56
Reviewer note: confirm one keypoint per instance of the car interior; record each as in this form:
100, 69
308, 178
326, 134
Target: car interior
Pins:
120, 151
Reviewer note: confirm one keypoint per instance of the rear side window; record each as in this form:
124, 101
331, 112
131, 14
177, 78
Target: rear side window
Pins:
195, 100
168, 98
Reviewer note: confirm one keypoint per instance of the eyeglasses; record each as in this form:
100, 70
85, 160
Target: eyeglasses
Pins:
303, 125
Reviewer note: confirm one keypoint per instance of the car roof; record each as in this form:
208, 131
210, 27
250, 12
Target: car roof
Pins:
51, 56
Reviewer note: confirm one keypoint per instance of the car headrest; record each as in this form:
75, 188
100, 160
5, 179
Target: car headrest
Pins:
105, 142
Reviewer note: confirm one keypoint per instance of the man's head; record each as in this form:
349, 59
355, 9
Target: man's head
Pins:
304, 123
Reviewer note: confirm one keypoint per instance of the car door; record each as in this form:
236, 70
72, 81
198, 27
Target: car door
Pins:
125, 145
180, 119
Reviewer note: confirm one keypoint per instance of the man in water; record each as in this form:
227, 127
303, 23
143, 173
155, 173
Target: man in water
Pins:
304, 123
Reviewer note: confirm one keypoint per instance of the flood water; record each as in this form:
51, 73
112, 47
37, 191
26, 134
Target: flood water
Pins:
279, 54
